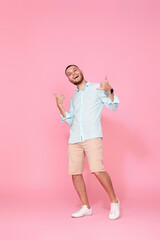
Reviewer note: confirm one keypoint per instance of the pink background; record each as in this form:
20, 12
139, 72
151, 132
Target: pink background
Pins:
38, 39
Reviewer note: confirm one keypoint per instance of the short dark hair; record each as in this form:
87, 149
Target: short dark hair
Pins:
70, 66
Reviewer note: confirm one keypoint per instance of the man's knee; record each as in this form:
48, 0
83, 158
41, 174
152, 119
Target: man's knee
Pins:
98, 172
76, 175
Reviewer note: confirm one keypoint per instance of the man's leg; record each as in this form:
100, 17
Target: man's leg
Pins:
94, 152
80, 187
105, 180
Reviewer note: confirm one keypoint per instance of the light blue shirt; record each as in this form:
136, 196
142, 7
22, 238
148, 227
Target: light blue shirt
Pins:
85, 112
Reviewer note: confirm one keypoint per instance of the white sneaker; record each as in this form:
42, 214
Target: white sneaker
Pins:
84, 211
115, 210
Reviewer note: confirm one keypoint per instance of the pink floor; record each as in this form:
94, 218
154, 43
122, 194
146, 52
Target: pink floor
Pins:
49, 217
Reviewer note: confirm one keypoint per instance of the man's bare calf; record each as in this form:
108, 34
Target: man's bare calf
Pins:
103, 178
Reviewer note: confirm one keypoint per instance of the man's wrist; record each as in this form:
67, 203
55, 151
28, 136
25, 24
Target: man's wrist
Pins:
111, 90
59, 105
111, 94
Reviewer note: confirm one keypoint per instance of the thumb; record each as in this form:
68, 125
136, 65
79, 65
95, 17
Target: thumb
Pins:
106, 79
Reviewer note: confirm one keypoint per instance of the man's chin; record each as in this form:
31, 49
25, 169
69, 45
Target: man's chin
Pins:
78, 82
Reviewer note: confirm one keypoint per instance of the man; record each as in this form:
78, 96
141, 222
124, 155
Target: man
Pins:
86, 135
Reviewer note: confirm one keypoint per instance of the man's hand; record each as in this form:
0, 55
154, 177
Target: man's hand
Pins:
104, 85
59, 98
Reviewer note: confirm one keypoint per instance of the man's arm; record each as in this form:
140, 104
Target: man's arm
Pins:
66, 116
62, 110
111, 96
109, 99
112, 105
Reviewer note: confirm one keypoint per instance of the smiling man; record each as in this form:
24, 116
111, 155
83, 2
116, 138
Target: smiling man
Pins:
86, 136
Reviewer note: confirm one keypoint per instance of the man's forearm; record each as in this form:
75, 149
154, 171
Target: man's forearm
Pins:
111, 96
62, 110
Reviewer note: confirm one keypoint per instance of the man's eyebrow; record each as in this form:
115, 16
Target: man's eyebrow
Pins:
73, 69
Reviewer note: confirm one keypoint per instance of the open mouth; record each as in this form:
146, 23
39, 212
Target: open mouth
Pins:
76, 76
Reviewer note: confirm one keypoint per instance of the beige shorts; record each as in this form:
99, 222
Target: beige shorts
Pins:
92, 148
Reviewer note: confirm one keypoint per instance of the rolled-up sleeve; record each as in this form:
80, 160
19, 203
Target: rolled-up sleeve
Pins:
69, 115
107, 101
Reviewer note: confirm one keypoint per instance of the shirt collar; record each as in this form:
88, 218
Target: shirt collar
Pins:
87, 85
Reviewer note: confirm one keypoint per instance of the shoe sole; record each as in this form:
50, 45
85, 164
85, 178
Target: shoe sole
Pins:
114, 218
88, 214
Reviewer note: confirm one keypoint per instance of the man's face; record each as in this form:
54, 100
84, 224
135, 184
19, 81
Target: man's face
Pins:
74, 75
